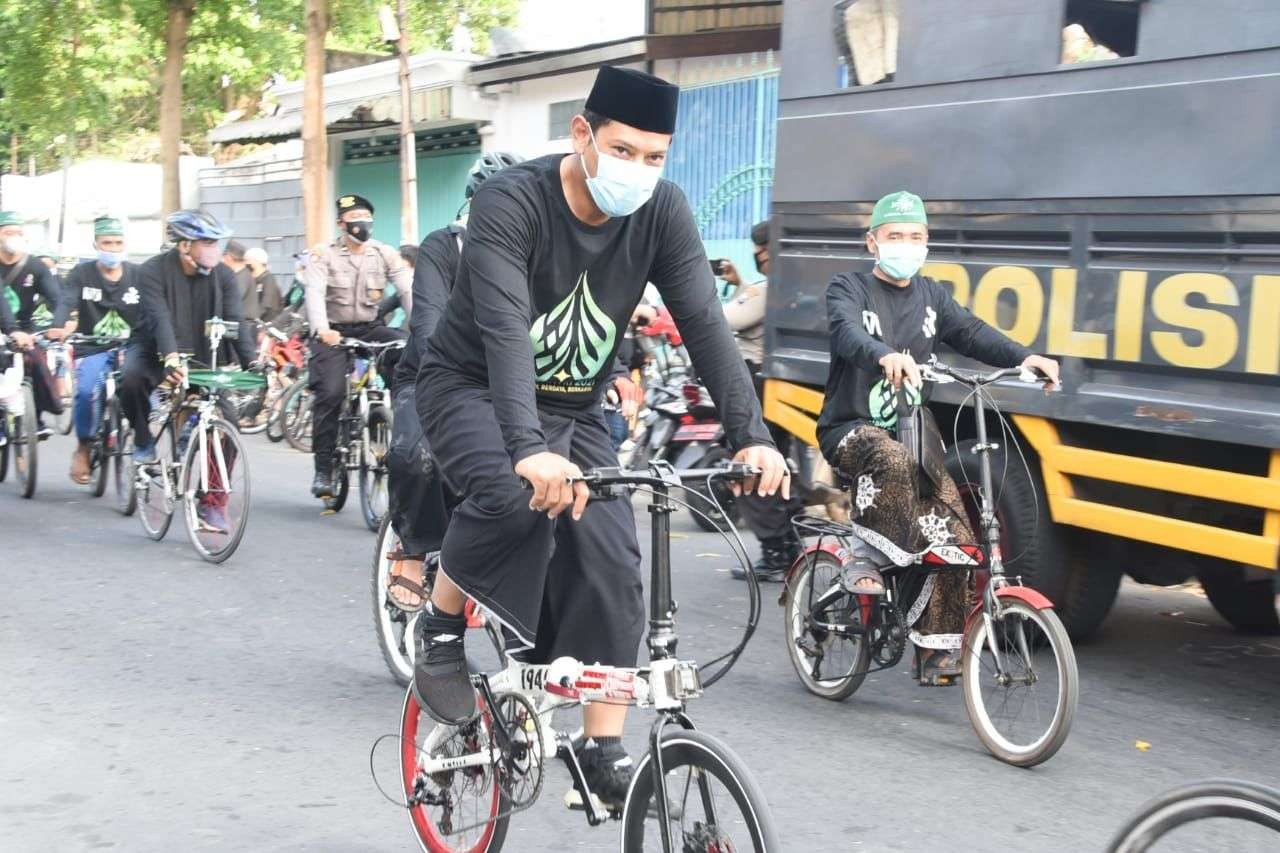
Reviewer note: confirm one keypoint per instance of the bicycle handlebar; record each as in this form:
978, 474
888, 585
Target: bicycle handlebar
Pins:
96, 340
976, 379
621, 477
357, 344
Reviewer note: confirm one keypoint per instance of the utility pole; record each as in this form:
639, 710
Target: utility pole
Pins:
408, 141
315, 173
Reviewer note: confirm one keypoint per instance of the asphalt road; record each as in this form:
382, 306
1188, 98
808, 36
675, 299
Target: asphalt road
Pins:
150, 701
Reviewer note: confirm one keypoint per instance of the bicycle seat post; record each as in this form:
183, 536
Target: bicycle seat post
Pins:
662, 635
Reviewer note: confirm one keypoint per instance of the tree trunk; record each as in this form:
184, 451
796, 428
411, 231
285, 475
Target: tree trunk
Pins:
408, 141
315, 173
175, 50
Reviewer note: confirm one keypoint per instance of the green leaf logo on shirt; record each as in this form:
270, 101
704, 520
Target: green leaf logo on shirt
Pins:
41, 316
573, 341
11, 296
112, 325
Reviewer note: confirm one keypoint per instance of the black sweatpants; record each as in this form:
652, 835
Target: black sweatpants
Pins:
328, 383
564, 587
36, 368
416, 496
142, 372
770, 517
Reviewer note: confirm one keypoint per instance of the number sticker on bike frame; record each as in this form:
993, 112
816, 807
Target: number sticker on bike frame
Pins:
533, 677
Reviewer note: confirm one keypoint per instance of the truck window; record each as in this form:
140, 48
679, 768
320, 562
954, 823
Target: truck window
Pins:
867, 32
1098, 30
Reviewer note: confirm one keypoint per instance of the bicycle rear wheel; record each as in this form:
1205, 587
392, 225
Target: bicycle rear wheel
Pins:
26, 444
157, 485
455, 811
373, 467
830, 664
714, 801
1214, 798
215, 490
1022, 710
296, 413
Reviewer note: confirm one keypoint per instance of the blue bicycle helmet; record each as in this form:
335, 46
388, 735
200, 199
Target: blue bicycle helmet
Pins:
487, 166
195, 225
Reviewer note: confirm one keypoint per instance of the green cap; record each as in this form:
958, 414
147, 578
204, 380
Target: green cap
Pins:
108, 226
8, 217
901, 206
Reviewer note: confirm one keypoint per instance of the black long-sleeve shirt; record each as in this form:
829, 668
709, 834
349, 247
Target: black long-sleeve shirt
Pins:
35, 291
175, 307
541, 301
433, 275
922, 313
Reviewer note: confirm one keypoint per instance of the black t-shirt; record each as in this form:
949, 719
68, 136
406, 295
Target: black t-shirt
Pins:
541, 301
433, 275
920, 315
175, 307
33, 300
101, 306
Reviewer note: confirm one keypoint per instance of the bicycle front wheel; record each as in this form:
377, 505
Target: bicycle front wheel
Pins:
215, 489
122, 470
714, 803
1215, 798
26, 444
103, 445
67, 397
1022, 704
157, 486
373, 467
296, 415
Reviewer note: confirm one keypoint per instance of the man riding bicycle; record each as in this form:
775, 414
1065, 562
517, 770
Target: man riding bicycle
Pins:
345, 282
28, 291
182, 289
105, 303
883, 325
417, 501
557, 255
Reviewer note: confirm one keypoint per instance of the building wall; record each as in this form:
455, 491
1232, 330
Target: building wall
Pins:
441, 182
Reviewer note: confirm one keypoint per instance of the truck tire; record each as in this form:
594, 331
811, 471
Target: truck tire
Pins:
1249, 605
1081, 587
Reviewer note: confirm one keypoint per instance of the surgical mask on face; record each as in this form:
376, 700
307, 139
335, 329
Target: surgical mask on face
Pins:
900, 261
620, 187
359, 229
15, 245
205, 257
110, 260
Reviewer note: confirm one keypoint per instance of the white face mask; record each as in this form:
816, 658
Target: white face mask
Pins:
620, 187
900, 261
15, 245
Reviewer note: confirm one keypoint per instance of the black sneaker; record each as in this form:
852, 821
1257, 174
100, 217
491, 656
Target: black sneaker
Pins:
608, 771
322, 485
43, 430
441, 680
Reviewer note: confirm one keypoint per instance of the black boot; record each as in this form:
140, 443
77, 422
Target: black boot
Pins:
322, 483
777, 553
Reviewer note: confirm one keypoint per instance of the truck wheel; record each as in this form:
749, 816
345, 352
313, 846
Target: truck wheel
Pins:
1249, 605
1081, 587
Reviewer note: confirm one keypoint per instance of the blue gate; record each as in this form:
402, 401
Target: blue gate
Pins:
722, 157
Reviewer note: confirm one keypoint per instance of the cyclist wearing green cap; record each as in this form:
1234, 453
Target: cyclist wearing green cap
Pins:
882, 325
104, 299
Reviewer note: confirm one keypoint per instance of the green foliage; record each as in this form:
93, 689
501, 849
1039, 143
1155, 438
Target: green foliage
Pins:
93, 66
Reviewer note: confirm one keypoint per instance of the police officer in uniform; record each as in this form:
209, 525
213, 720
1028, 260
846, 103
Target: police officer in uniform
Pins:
345, 281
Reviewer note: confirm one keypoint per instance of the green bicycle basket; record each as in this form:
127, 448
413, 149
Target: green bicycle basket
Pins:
237, 380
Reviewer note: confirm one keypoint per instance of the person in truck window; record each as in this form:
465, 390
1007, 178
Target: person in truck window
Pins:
557, 254
883, 324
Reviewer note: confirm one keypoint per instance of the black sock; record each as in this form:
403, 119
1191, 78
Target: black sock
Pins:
608, 744
436, 622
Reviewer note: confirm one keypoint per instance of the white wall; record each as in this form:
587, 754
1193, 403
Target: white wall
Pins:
128, 190
521, 117
703, 70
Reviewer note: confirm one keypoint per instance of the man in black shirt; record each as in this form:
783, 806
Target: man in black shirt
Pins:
30, 293
883, 324
105, 303
557, 255
181, 290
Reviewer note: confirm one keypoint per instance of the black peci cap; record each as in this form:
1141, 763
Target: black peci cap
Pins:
634, 98
354, 202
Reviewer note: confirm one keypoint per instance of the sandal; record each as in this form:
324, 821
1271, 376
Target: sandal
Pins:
858, 571
399, 582
937, 668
